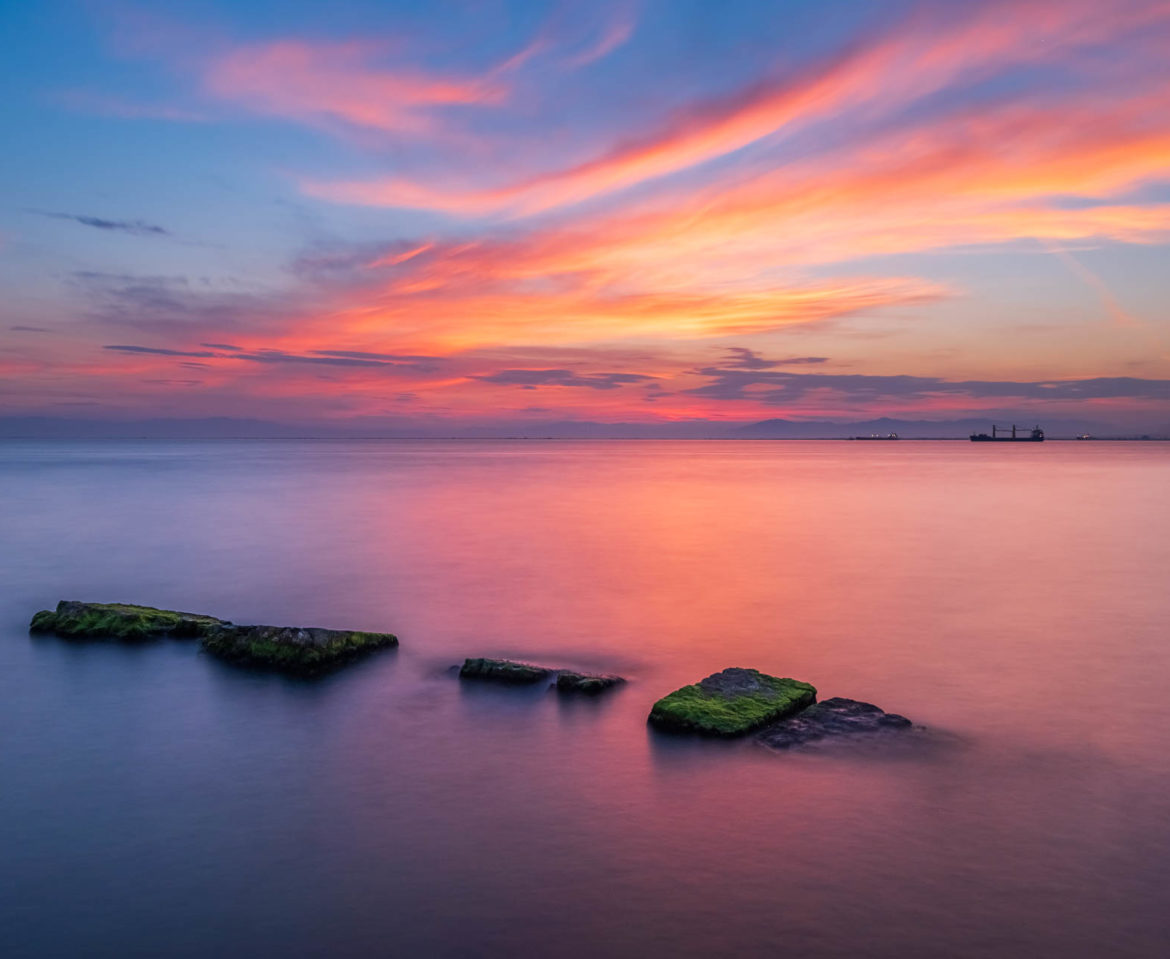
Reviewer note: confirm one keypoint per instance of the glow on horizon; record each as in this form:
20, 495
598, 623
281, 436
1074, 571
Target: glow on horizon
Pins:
545, 213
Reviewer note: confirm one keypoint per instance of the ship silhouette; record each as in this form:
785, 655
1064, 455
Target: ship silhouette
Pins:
999, 434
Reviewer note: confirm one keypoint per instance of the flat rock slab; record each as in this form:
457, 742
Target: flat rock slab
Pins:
292, 649
504, 671
524, 674
731, 703
573, 682
121, 621
834, 718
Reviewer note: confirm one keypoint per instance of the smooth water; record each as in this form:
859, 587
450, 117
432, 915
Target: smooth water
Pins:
154, 801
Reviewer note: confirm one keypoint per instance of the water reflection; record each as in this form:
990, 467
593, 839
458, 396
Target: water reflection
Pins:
161, 802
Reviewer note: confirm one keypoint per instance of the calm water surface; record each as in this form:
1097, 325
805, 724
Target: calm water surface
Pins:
154, 801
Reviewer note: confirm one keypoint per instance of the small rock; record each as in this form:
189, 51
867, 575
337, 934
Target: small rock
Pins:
572, 682
504, 671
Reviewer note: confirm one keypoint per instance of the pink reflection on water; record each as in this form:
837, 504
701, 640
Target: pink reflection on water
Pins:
1012, 598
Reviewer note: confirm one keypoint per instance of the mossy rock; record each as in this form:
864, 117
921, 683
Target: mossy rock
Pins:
293, 649
121, 621
287, 648
731, 703
504, 671
569, 681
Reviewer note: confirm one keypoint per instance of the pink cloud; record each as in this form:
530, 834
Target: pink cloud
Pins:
340, 81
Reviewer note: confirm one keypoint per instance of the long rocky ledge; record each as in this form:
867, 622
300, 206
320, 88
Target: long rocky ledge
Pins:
292, 649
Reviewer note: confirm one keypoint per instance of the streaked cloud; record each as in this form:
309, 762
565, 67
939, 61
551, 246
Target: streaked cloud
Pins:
343, 81
743, 358
529, 379
157, 351
133, 227
782, 389
830, 224
911, 61
343, 358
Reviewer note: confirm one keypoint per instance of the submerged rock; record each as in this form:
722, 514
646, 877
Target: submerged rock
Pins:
121, 621
731, 703
504, 671
514, 673
832, 718
288, 648
297, 649
572, 682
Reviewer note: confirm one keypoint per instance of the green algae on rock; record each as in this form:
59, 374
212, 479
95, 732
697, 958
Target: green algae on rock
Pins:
292, 648
503, 671
731, 703
120, 621
569, 681
287, 648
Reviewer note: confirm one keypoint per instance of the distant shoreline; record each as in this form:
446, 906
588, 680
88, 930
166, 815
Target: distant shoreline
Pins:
549, 439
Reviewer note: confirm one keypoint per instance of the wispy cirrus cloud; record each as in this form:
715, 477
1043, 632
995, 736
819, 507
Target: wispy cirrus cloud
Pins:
991, 176
530, 379
743, 358
436, 304
615, 35
912, 60
157, 351
132, 227
181, 304
754, 215
342, 81
341, 358
786, 389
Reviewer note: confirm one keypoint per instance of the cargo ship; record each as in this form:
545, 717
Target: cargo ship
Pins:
1000, 434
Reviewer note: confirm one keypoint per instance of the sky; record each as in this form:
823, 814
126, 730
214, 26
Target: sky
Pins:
434, 216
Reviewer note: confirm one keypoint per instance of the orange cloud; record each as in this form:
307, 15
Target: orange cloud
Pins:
974, 179
393, 259
436, 319
726, 260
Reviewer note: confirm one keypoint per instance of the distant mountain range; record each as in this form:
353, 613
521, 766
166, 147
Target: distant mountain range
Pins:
39, 427
915, 429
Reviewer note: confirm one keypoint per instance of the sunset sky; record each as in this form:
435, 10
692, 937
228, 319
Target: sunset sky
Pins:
430, 216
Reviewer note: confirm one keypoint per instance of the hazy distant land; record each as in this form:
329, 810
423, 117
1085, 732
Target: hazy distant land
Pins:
36, 427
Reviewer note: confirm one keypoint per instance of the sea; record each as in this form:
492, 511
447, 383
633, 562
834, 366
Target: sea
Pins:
1011, 599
